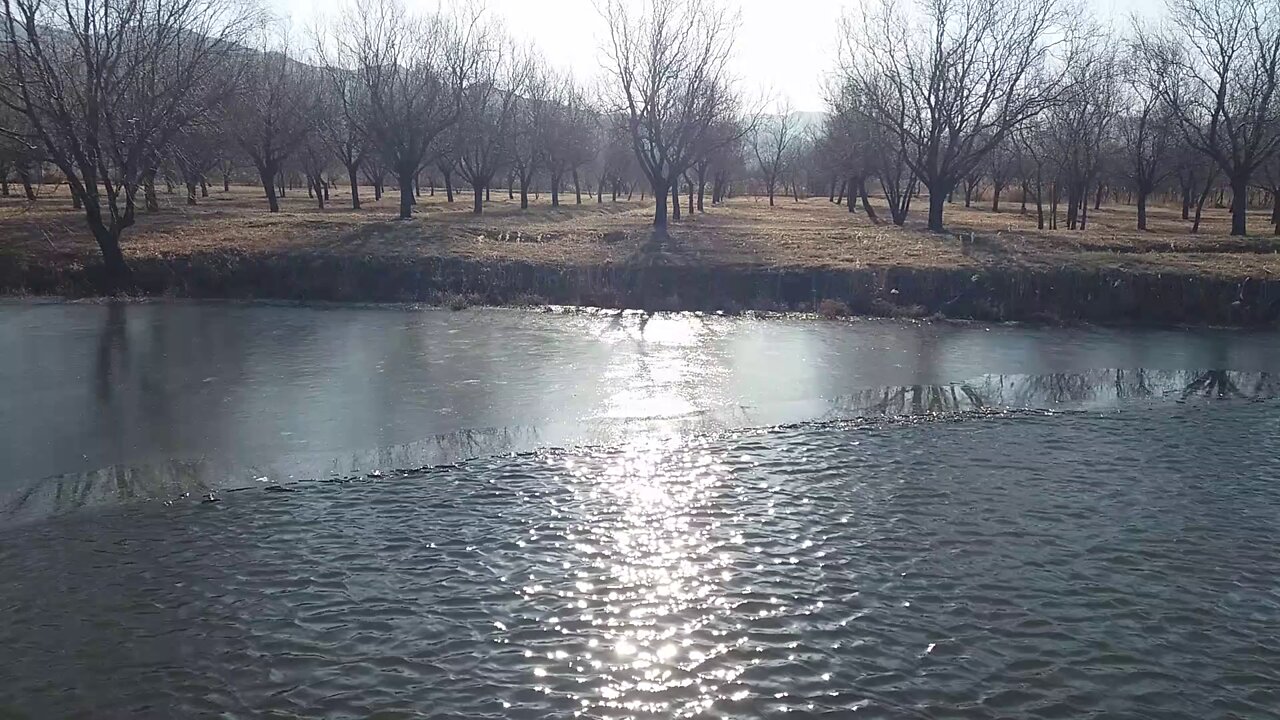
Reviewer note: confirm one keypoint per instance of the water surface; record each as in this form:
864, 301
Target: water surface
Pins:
631, 516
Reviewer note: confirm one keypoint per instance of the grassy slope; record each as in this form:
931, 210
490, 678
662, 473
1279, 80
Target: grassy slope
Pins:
745, 233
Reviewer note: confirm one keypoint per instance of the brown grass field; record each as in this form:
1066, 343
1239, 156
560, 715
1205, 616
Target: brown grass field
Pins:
745, 232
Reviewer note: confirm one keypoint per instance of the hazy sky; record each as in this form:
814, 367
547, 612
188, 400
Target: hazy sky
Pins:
784, 48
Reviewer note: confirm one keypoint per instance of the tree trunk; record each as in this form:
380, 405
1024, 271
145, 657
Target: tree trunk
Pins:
511, 187
995, 198
477, 201
555, 190
702, 191
659, 210
191, 192
268, 175
150, 201
840, 198
324, 185
675, 200
487, 197
1039, 204
1142, 208
405, 178
866, 201
524, 193
690, 184
1186, 203
321, 193
24, 176
769, 187
355, 187
204, 188
448, 187
577, 189
377, 189
1204, 195
937, 201
226, 183
1097, 200
1239, 203
1053, 205
600, 191
117, 273
1275, 209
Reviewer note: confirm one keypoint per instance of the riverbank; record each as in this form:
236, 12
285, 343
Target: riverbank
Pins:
809, 256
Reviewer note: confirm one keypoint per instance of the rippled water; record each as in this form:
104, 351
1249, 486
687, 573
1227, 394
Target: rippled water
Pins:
1118, 563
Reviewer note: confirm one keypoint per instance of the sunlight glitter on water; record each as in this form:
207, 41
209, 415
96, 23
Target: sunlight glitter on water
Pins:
668, 378
643, 626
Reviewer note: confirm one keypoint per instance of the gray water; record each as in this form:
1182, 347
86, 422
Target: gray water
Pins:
657, 546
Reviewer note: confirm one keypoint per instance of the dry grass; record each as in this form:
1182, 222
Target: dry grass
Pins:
744, 233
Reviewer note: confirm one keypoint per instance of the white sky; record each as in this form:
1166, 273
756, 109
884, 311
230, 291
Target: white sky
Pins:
784, 47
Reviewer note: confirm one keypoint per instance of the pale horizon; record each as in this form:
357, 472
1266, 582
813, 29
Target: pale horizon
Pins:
782, 54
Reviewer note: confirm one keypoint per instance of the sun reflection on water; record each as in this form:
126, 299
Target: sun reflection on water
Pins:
645, 626
651, 612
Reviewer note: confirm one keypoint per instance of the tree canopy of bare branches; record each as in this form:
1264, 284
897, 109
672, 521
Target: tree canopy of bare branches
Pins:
103, 85
952, 80
412, 70
670, 65
773, 145
1223, 58
276, 111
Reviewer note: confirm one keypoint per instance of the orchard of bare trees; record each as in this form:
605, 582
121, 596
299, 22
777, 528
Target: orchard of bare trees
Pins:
974, 96
932, 102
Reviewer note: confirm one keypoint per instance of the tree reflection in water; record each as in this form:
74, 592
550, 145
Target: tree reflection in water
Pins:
1085, 390
1100, 389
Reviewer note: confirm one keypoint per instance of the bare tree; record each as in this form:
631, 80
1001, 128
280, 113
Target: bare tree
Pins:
1002, 165
772, 144
1079, 126
1224, 92
1146, 126
314, 159
194, 150
277, 110
489, 103
849, 135
345, 106
104, 85
529, 129
670, 67
412, 70
1269, 181
953, 85
615, 161
569, 136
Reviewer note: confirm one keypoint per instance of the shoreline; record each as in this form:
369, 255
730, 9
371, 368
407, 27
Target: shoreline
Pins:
991, 292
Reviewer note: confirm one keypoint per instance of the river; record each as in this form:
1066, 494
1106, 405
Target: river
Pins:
496, 513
